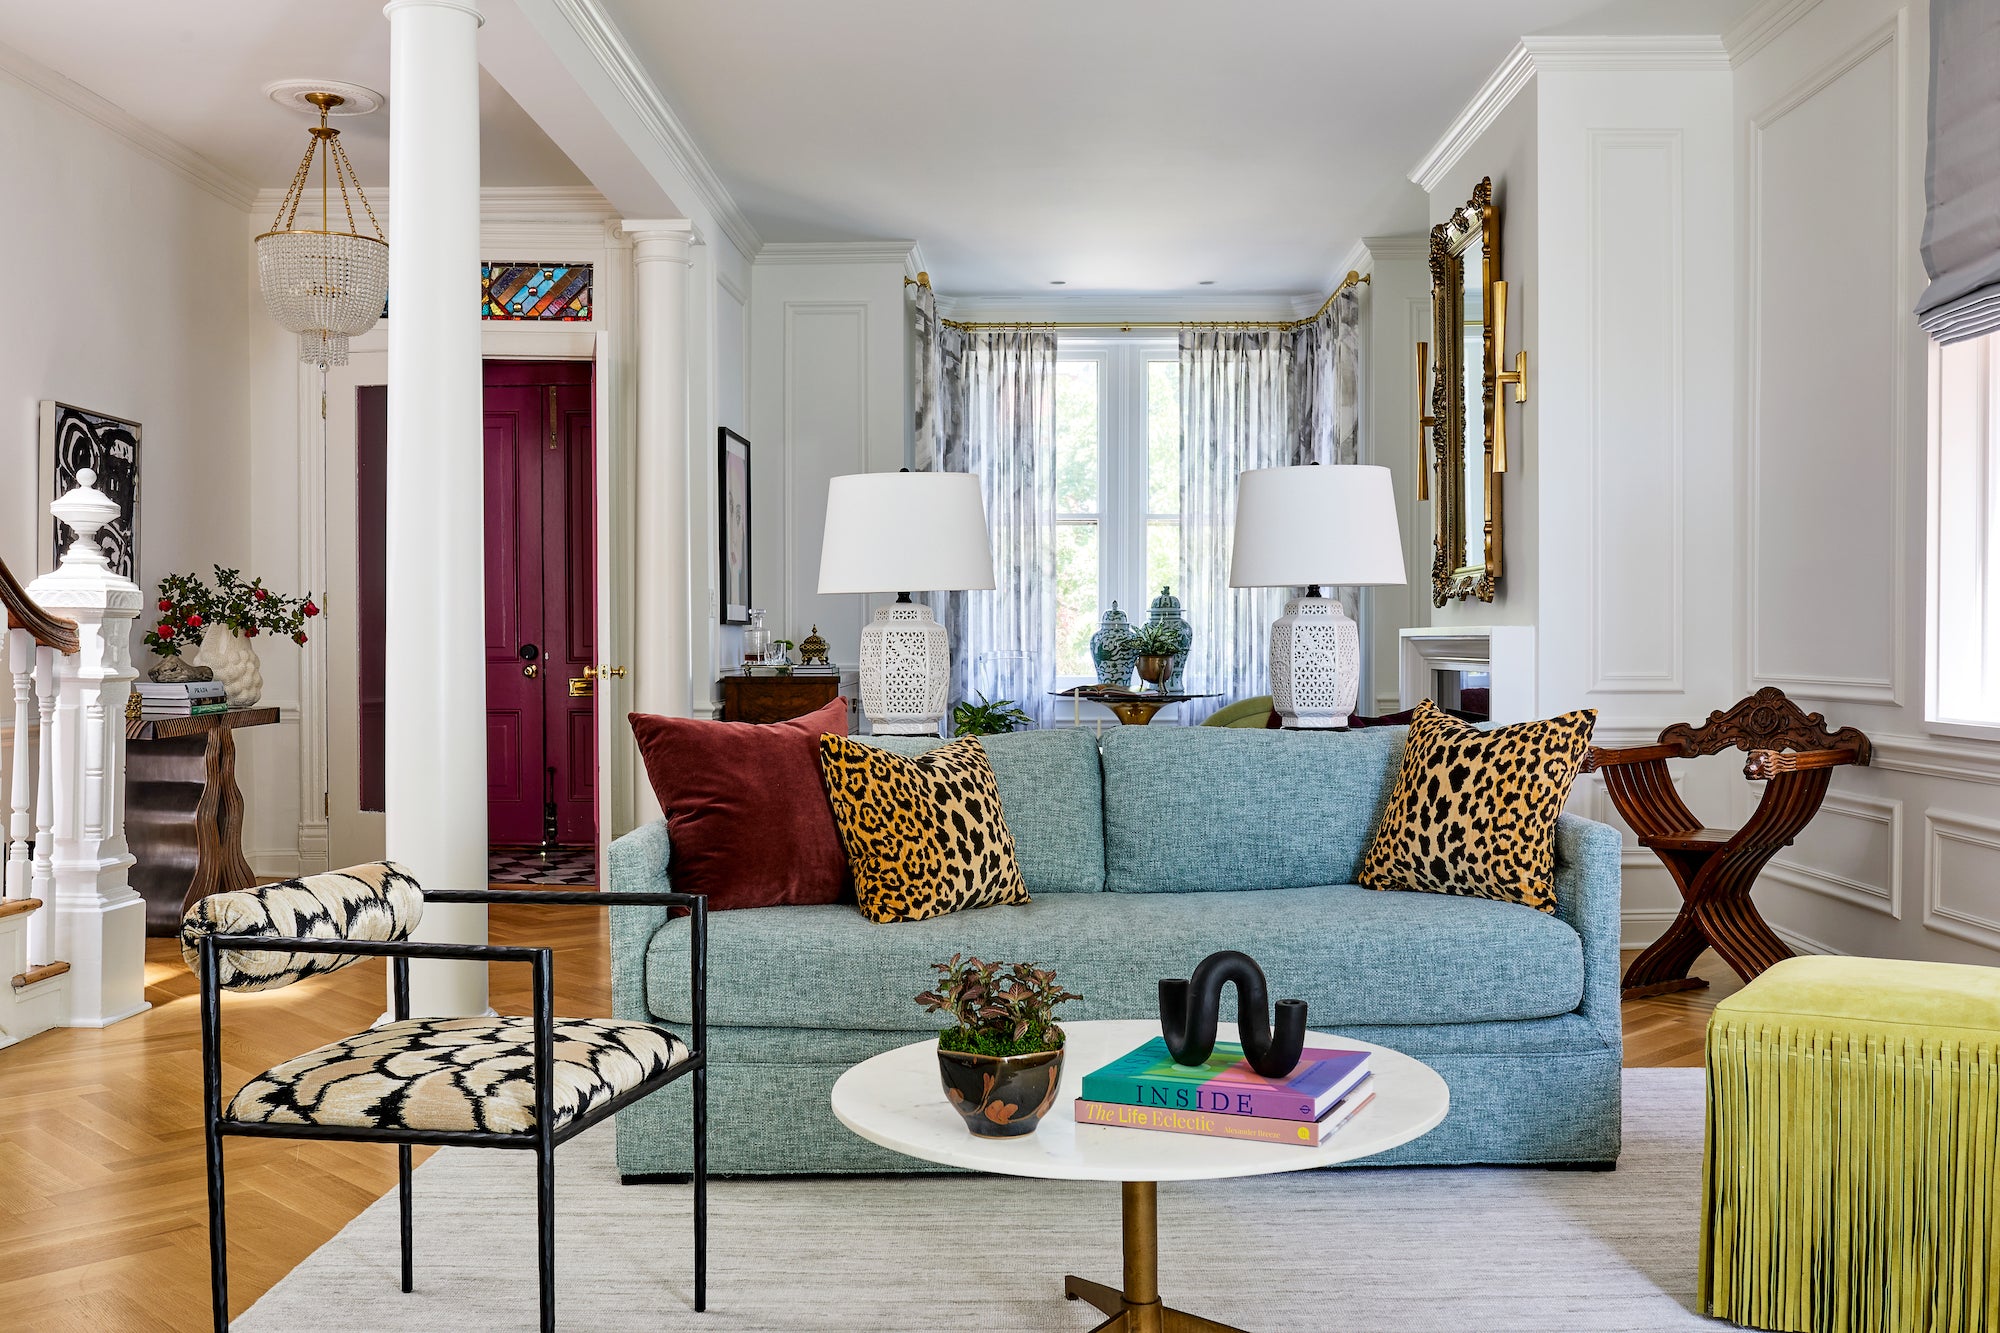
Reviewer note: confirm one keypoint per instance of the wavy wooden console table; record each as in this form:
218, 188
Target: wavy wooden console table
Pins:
183, 811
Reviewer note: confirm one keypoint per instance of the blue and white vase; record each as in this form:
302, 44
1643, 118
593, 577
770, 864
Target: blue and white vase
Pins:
1111, 648
1166, 610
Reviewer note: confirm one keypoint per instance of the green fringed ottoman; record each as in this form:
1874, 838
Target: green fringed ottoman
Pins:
1851, 1168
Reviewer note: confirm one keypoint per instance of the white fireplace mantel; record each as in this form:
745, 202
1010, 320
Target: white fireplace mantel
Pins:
1507, 652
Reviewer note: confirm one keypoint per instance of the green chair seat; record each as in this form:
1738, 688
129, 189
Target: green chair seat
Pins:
1252, 712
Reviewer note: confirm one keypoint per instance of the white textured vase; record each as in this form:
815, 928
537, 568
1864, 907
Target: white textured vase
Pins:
233, 659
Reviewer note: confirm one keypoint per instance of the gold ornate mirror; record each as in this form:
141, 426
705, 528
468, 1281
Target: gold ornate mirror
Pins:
1468, 441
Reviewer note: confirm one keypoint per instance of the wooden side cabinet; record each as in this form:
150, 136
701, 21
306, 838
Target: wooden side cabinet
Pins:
775, 698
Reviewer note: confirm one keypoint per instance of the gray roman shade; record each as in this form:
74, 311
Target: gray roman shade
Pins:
1962, 177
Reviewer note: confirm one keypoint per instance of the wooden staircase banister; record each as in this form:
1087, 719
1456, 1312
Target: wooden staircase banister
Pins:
23, 613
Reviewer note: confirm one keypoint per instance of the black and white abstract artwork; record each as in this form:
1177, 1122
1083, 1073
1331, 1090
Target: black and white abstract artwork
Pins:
74, 439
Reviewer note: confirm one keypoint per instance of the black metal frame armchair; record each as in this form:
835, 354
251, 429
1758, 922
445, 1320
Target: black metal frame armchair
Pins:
542, 1138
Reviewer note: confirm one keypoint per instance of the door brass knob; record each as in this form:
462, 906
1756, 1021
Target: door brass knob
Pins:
532, 670
591, 672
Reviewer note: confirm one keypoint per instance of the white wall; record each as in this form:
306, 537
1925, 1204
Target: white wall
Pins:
1904, 859
829, 394
128, 289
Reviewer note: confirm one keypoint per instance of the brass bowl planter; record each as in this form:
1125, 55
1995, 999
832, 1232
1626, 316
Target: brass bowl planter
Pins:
1155, 668
1000, 1096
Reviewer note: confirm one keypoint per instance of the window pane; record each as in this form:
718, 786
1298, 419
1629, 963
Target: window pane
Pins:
1076, 438
1163, 558
1163, 437
1076, 597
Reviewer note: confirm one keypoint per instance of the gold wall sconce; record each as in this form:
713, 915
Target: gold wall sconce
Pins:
1425, 421
1518, 376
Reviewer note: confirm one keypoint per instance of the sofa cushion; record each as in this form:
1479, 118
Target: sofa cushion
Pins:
1052, 798
924, 833
1353, 955
1208, 809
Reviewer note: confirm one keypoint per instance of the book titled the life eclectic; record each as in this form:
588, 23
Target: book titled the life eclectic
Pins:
1225, 1084
1214, 1124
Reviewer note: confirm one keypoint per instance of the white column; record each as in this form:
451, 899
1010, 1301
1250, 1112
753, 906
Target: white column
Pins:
662, 591
435, 735
100, 923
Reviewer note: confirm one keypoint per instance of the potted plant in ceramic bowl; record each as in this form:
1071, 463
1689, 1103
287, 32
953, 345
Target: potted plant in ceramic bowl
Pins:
1001, 1060
219, 623
988, 717
1153, 646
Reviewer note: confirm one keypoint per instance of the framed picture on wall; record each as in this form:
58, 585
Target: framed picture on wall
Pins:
74, 439
733, 468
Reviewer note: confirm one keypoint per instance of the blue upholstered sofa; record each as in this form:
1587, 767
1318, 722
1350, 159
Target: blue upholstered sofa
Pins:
1144, 852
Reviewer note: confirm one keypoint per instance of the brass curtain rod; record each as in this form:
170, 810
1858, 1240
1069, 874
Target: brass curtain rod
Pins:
1353, 278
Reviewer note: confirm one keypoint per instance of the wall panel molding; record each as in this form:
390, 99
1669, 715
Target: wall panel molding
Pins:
1886, 899
797, 313
1946, 909
1616, 284
1885, 623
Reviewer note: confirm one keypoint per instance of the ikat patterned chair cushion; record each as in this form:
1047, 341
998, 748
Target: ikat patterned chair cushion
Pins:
456, 1074
924, 834
1473, 812
380, 901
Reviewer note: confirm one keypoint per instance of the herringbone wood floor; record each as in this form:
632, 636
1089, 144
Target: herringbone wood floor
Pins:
105, 1220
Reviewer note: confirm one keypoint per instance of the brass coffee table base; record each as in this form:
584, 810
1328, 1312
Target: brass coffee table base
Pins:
1137, 1309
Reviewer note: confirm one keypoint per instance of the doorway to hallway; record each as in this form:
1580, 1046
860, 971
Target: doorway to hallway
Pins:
539, 487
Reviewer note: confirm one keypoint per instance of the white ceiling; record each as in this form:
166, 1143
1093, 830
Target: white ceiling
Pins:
1121, 146
196, 69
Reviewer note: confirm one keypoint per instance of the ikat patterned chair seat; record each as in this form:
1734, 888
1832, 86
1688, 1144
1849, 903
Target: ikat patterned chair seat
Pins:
456, 1074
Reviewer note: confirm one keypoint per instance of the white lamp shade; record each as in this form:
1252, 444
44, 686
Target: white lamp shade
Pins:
1329, 525
905, 532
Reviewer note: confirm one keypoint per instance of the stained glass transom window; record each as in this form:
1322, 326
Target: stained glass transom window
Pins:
535, 291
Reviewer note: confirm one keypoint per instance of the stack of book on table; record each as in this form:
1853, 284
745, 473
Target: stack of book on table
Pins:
194, 698
1224, 1098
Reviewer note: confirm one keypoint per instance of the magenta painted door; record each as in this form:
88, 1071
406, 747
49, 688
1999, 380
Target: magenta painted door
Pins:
541, 757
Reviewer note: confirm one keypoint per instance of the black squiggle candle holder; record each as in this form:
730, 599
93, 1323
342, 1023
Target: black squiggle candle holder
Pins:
1188, 1012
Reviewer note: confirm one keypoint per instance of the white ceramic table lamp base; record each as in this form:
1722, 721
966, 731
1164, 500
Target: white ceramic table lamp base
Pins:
905, 670
1304, 527
905, 532
1315, 663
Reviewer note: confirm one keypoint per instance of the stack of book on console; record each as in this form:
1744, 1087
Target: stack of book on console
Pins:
1224, 1098
194, 698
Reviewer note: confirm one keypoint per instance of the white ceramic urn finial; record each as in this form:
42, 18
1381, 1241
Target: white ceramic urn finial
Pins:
85, 511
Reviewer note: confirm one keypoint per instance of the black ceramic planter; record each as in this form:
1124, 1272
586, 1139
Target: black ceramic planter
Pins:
1000, 1096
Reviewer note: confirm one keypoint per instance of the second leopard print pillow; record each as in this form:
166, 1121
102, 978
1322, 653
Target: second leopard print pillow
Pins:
1474, 812
924, 834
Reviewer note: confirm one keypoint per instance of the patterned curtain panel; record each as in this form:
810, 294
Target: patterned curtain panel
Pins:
995, 403
1236, 414
1326, 396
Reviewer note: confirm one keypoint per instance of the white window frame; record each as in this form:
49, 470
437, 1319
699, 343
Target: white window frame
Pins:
1122, 490
1962, 676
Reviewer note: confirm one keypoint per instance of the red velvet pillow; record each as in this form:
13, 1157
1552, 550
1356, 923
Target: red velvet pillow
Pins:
746, 810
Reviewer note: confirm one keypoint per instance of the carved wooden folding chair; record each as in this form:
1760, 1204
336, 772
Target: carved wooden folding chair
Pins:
1794, 755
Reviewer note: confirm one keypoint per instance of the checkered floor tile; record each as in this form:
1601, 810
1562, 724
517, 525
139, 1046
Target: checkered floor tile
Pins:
531, 865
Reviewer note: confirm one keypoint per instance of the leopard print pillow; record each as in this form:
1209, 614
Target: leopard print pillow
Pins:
924, 833
1474, 812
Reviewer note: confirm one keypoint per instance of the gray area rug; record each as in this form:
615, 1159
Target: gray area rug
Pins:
1391, 1251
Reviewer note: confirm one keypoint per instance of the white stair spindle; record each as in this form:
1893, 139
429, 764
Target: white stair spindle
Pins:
20, 801
42, 880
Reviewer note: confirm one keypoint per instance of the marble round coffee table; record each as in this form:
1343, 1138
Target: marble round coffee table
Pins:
897, 1101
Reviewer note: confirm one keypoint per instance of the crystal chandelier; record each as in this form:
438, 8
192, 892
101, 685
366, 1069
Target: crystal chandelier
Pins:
324, 285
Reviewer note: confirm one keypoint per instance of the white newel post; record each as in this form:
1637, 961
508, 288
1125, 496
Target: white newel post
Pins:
80, 856
435, 705
663, 596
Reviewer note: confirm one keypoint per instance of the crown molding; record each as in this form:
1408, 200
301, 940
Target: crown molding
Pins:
169, 152
1167, 308
1755, 30
1416, 245
615, 57
1639, 53
498, 203
839, 252
1502, 86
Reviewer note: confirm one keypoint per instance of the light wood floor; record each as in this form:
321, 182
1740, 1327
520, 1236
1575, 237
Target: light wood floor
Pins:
104, 1223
